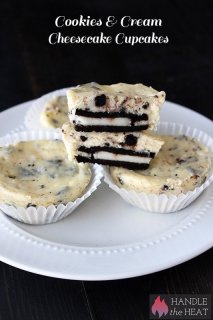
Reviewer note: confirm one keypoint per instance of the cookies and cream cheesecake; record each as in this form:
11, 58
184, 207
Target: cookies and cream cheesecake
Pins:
55, 112
119, 107
182, 165
133, 150
38, 173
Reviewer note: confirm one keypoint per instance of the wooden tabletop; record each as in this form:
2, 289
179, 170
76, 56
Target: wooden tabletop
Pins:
30, 67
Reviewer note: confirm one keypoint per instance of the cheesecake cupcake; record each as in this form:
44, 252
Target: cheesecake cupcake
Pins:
50, 111
38, 184
176, 176
55, 112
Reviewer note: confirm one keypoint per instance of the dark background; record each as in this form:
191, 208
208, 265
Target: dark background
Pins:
30, 67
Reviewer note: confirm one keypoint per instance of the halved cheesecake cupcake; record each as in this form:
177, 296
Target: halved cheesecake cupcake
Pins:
118, 107
132, 150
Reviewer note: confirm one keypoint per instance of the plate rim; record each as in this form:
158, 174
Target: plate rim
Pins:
107, 276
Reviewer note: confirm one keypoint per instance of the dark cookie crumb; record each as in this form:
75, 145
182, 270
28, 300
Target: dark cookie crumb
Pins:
165, 187
83, 138
12, 177
100, 101
179, 161
195, 176
146, 105
31, 205
120, 180
131, 140
42, 186
63, 191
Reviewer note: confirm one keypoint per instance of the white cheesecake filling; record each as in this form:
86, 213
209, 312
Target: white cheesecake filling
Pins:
182, 165
104, 155
39, 173
87, 121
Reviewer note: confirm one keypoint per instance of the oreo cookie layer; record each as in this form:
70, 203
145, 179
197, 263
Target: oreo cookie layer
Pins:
123, 164
113, 150
108, 121
110, 128
121, 114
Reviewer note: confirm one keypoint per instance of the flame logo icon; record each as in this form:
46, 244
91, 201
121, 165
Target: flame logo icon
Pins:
159, 306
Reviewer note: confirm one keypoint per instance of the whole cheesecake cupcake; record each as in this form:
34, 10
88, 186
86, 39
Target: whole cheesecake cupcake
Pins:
182, 165
55, 112
176, 176
50, 111
36, 175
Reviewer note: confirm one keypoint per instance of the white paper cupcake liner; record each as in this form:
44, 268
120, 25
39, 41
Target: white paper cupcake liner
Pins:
166, 203
33, 115
52, 213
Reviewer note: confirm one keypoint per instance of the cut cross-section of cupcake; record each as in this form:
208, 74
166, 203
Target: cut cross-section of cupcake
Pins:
132, 150
114, 108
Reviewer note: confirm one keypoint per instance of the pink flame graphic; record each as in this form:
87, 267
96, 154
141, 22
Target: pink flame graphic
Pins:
160, 307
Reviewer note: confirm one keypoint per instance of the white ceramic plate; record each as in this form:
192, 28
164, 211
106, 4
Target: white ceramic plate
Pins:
105, 238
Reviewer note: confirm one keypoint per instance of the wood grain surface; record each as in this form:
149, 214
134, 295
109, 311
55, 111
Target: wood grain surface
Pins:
30, 67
